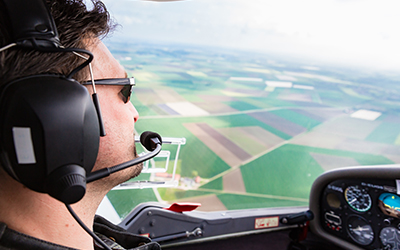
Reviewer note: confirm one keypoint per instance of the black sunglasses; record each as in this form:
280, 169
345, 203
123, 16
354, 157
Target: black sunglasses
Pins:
126, 91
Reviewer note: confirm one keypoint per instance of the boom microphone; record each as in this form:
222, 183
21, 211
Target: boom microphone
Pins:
150, 140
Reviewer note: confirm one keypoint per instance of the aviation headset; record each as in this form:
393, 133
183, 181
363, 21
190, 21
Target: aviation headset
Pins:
49, 126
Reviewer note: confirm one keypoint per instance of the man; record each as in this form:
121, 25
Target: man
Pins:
32, 220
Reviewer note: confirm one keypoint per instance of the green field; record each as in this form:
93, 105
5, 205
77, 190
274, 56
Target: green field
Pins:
254, 146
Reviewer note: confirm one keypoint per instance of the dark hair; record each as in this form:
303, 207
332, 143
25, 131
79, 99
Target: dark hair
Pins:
76, 25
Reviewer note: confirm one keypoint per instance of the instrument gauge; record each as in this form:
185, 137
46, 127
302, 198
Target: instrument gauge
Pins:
390, 237
360, 231
358, 198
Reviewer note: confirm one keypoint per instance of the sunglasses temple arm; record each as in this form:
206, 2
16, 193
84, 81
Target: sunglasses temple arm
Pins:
97, 106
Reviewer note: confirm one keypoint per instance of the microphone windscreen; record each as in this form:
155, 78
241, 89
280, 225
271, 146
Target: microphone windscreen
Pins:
145, 139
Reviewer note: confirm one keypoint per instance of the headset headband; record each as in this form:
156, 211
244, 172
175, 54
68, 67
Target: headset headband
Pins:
32, 25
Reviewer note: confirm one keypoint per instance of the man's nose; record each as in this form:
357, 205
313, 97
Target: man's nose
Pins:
134, 112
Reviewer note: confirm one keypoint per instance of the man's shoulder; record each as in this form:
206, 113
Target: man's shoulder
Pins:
11, 239
113, 235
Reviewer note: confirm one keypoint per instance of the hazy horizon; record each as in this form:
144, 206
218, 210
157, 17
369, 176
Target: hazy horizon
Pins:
347, 32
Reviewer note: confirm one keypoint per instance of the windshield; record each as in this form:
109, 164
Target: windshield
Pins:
260, 97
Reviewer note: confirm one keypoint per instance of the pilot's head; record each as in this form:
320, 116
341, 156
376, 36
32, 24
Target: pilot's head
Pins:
80, 26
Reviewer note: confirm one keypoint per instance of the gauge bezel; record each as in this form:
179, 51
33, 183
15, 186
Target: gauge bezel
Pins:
358, 198
381, 232
352, 218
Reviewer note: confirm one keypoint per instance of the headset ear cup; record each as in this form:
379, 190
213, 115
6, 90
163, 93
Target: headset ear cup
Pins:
49, 135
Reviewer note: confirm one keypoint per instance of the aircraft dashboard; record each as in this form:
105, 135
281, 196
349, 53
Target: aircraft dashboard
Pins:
358, 207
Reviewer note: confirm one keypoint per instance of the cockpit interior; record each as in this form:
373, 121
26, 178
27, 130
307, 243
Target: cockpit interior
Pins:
350, 208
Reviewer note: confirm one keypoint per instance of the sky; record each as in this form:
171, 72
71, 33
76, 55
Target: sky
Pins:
363, 33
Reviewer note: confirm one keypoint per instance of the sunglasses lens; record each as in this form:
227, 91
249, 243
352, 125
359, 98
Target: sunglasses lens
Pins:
126, 93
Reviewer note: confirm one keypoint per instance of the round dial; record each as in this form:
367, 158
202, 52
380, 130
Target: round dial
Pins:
390, 236
358, 198
360, 231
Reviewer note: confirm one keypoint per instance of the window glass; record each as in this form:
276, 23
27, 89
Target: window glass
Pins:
262, 96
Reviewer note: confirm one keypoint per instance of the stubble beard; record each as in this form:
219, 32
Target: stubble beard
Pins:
136, 169
130, 172
124, 175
